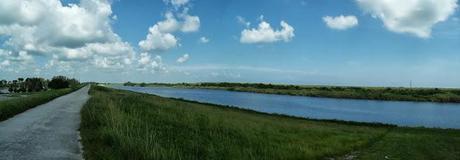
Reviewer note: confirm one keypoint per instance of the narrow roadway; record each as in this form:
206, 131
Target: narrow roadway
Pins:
46, 132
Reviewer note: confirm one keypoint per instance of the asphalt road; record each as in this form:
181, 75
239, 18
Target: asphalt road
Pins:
46, 132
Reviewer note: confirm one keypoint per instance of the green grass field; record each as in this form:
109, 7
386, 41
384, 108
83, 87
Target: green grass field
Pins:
374, 93
126, 125
19, 104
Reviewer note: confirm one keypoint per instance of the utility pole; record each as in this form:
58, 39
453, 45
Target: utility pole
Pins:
410, 84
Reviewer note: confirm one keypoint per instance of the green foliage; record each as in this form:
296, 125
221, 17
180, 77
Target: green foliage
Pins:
59, 82
3, 83
126, 125
35, 84
129, 84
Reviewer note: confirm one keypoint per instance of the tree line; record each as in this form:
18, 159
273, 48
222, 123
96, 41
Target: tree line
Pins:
37, 84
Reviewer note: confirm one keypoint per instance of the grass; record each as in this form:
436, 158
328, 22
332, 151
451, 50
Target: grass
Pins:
19, 104
420, 144
126, 125
373, 93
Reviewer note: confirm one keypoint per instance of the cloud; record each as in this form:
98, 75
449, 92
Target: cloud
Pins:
157, 40
416, 17
161, 35
183, 58
243, 21
73, 32
50, 24
204, 40
176, 3
264, 33
341, 22
170, 24
14, 61
147, 63
191, 23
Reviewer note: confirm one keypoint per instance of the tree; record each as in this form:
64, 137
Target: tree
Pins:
3, 83
35, 84
129, 84
58, 82
13, 87
73, 82
21, 85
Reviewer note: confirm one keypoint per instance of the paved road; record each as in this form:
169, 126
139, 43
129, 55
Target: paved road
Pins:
46, 132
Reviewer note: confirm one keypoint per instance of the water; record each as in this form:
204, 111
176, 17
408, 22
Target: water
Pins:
414, 114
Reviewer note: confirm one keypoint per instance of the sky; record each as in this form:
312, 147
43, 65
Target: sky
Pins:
327, 42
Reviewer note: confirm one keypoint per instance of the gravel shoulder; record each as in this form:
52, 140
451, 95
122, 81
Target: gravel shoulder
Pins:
48, 131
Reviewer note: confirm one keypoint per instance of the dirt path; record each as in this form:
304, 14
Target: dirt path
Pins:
48, 131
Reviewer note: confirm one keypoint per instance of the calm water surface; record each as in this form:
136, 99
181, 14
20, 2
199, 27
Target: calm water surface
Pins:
391, 112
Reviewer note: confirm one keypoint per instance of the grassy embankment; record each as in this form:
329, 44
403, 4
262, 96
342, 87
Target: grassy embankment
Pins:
19, 104
373, 93
126, 125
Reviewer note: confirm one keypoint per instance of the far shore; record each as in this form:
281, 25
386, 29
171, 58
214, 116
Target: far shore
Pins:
441, 95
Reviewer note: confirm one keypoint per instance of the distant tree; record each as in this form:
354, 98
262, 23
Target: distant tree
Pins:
128, 84
20, 85
58, 82
143, 84
13, 86
35, 84
73, 82
3, 83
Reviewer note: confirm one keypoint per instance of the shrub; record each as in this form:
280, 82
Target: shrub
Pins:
35, 84
59, 82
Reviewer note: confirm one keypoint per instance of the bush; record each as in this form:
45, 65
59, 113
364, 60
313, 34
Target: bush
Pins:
35, 84
59, 82
129, 84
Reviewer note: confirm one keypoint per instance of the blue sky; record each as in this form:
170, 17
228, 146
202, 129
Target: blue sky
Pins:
357, 46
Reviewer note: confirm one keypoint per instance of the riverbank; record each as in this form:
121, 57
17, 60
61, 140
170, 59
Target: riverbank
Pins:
122, 124
18, 104
371, 93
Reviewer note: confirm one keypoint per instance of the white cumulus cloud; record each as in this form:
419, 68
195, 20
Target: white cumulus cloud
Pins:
157, 40
147, 63
264, 33
191, 23
161, 35
170, 24
183, 58
71, 32
204, 40
341, 22
416, 17
243, 21
176, 3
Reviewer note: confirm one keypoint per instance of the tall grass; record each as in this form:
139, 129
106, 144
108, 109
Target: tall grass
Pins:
126, 125
13, 106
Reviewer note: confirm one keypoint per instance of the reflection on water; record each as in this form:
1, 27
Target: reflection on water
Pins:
391, 112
